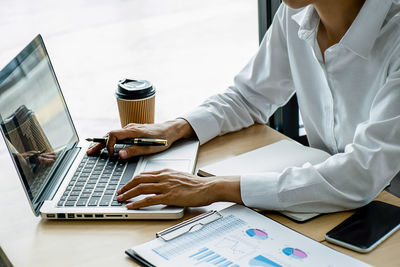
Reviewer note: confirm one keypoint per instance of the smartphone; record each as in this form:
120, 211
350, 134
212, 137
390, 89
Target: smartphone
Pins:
367, 227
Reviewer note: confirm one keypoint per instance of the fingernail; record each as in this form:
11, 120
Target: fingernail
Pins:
119, 197
123, 154
119, 192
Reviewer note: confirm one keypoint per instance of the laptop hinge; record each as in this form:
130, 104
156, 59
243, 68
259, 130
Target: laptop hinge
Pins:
57, 176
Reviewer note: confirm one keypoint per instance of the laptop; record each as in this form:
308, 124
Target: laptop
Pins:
59, 179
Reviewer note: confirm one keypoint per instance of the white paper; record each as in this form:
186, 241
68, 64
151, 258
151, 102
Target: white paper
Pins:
271, 158
243, 238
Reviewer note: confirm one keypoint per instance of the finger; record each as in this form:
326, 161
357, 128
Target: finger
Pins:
132, 151
111, 140
138, 180
157, 171
116, 135
94, 149
148, 201
140, 190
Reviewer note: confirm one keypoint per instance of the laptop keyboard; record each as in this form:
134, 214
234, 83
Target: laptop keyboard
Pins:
96, 181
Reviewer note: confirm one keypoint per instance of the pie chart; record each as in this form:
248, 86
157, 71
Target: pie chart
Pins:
257, 234
294, 253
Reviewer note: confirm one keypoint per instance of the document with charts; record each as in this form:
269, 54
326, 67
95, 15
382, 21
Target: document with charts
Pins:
240, 237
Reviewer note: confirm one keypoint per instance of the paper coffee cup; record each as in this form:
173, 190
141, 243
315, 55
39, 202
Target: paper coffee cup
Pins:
136, 101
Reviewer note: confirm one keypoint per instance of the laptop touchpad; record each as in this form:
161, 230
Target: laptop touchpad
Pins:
182, 165
154, 207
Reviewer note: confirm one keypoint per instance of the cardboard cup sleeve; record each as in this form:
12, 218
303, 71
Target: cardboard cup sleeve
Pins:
136, 110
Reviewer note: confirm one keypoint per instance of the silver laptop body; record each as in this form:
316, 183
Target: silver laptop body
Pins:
59, 179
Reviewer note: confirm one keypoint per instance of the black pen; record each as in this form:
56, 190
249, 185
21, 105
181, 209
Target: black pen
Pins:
133, 141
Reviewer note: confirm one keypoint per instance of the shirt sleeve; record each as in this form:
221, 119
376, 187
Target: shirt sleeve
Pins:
263, 85
345, 180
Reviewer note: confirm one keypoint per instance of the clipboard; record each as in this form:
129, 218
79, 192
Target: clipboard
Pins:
235, 236
191, 225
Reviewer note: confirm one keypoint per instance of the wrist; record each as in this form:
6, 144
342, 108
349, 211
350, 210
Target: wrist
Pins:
226, 188
180, 128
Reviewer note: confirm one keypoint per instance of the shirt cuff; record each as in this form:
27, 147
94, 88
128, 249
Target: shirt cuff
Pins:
260, 190
203, 123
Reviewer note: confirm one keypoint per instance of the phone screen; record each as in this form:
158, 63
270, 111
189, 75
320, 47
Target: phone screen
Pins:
367, 225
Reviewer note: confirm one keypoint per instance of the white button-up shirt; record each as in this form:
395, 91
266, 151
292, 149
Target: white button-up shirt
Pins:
350, 105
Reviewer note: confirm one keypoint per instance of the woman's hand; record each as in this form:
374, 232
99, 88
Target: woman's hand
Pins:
170, 130
179, 189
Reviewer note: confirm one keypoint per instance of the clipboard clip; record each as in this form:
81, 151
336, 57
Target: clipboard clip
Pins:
191, 225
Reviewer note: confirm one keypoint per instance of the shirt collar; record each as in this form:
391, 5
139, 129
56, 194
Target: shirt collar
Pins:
363, 32
308, 21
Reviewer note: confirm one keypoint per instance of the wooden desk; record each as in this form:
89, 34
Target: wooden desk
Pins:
31, 241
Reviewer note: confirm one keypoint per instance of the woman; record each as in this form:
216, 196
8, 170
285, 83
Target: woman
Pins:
342, 59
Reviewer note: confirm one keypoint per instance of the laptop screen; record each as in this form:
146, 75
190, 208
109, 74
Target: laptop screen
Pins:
34, 119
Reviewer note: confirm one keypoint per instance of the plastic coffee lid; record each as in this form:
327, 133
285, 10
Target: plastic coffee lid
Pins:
134, 89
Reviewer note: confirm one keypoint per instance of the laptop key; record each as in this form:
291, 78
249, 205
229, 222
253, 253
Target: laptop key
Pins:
113, 182
104, 180
60, 203
77, 188
67, 191
85, 195
99, 189
72, 198
129, 171
70, 203
101, 161
80, 183
109, 192
111, 187
105, 201
89, 186
119, 169
94, 201
92, 181
82, 202
97, 194
116, 203
89, 191
75, 193
101, 185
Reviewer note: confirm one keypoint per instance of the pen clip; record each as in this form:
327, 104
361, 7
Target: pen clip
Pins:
191, 225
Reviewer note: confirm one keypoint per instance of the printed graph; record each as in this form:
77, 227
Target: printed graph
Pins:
262, 261
206, 256
235, 247
294, 253
192, 240
257, 234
